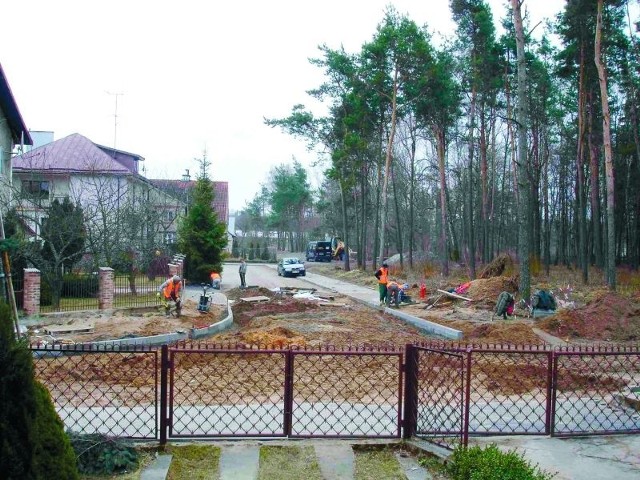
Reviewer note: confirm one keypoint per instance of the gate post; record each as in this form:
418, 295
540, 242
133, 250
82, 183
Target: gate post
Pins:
288, 392
410, 420
164, 370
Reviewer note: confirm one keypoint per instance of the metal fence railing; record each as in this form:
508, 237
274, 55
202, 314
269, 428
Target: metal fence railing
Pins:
442, 392
17, 282
109, 392
68, 293
136, 291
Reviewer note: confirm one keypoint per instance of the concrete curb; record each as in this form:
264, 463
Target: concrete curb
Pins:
225, 323
426, 326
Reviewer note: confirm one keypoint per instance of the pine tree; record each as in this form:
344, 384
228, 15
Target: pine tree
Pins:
201, 237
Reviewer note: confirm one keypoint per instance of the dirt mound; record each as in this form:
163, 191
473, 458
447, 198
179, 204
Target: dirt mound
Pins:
609, 317
237, 293
277, 337
484, 291
498, 266
244, 312
503, 332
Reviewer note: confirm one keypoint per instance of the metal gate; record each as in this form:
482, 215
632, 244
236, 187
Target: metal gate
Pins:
437, 396
282, 393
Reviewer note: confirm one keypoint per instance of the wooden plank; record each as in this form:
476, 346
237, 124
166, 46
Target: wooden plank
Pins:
259, 298
455, 295
71, 328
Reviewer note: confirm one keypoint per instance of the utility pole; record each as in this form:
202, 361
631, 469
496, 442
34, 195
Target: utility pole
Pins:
115, 118
6, 268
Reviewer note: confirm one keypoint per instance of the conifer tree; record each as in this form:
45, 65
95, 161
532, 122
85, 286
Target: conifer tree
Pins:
33, 444
201, 236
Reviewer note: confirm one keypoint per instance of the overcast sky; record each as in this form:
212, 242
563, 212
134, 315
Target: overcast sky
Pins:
189, 75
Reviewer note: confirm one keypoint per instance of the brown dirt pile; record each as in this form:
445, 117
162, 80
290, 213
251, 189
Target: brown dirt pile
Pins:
245, 312
484, 292
609, 317
503, 332
498, 266
237, 293
277, 337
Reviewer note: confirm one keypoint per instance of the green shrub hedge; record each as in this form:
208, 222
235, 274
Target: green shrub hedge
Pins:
491, 463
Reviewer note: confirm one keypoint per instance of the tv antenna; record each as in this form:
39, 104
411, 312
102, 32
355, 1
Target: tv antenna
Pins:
115, 118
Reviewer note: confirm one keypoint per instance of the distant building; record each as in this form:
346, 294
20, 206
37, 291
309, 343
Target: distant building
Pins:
13, 132
182, 189
104, 181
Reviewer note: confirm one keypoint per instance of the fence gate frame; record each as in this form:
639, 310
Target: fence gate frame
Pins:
413, 388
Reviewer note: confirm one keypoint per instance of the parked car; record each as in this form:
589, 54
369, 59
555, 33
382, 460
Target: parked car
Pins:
291, 267
319, 251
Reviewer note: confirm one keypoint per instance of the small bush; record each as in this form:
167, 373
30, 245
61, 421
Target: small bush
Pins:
101, 455
490, 463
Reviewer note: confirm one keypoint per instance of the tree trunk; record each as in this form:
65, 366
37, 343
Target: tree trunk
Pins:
608, 154
523, 181
594, 177
485, 186
471, 236
444, 246
581, 216
387, 167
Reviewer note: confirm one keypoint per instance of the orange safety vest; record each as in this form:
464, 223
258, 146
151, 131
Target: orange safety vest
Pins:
172, 289
384, 275
215, 275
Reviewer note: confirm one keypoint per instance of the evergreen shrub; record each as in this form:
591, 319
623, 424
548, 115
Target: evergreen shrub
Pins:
33, 444
490, 463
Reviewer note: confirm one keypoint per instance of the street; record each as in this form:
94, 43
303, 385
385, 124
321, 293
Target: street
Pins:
259, 274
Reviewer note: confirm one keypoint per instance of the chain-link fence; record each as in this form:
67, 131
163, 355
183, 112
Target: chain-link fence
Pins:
442, 392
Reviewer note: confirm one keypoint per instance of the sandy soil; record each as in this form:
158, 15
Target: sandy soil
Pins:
141, 322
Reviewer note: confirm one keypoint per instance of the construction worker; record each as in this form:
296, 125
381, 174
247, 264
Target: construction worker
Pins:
171, 290
382, 274
216, 280
243, 272
393, 293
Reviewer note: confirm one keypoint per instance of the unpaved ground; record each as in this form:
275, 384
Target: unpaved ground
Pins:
139, 322
285, 321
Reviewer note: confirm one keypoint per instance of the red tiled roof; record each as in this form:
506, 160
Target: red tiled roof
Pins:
72, 154
220, 191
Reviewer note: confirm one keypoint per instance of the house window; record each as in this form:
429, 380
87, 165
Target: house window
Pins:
35, 189
169, 215
169, 238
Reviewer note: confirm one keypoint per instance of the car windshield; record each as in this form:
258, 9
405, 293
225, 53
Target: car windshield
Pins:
291, 261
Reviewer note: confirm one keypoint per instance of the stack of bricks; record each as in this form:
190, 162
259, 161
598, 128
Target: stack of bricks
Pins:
31, 299
106, 288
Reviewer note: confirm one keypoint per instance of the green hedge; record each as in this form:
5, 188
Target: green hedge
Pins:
491, 463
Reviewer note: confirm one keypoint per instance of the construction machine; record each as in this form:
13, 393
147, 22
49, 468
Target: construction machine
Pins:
337, 248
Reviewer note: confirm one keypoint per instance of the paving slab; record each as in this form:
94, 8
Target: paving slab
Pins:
239, 462
158, 469
337, 462
411, 468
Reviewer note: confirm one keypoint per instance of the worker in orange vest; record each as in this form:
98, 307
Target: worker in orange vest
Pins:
393, 293
382, 274
171, 290
216, 280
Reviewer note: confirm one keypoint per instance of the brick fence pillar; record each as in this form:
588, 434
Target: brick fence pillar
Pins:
106, 288
31, 289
